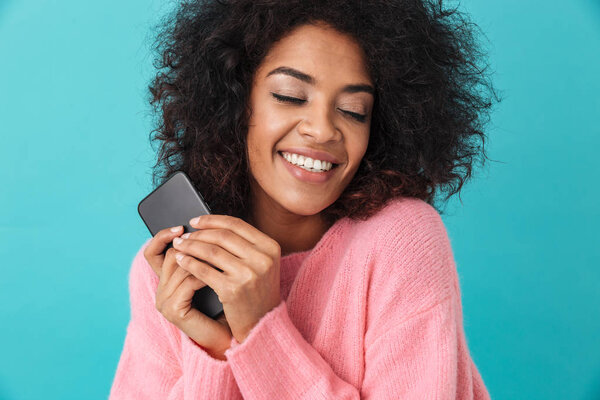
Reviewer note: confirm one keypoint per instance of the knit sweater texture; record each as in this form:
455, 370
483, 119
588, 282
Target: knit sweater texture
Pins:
372, 311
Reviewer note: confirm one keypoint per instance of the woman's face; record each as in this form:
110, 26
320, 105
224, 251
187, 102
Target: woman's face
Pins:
325, 70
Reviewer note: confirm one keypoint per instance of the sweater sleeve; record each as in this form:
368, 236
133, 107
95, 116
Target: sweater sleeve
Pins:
417, 359
422, 358
158, 361
276, 362
415, 346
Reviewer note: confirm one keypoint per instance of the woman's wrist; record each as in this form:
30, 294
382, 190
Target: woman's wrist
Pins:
218, 354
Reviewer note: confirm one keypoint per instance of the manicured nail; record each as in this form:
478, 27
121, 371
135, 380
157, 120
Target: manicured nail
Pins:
194, 221
177, 240
178, 256
186, 235
176, 228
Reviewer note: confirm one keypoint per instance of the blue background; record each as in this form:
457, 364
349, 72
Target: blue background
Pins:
75, 160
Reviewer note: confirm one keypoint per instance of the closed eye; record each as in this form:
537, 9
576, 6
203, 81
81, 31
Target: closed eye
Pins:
287, 99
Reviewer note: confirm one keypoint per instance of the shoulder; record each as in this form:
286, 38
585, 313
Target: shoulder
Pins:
141, 271
142, 283
403, 224
407, 211
412, 265
401, 211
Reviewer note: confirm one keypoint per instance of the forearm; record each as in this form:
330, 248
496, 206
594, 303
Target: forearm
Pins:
218, 354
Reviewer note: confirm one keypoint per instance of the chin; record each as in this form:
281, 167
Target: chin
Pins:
300, 207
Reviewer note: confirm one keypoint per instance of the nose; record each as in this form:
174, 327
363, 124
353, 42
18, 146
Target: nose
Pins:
318, 124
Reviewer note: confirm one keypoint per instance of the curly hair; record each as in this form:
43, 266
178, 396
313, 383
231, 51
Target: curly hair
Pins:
433, 95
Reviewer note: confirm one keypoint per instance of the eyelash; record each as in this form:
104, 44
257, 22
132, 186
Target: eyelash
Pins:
286, 99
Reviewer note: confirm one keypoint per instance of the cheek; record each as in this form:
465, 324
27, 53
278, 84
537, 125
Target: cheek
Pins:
358, 147
272, 127
267, 126
256, 151
261, 141
258, 137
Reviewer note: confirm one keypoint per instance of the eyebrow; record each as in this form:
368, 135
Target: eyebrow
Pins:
310, 80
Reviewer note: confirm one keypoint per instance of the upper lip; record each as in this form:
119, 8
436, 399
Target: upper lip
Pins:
314, 154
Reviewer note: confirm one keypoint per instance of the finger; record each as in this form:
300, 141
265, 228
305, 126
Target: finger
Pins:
169, 286
169, 266
262, 241
176, 279
203, 272
210, 253
195, 321
154, 252
177, 304
228, 240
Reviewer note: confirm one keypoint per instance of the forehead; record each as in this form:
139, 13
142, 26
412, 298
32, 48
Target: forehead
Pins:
320, 51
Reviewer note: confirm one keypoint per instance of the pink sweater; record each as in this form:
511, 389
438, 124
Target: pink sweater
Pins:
373, 311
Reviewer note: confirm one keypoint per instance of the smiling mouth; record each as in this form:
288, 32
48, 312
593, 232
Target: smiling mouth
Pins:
333, 165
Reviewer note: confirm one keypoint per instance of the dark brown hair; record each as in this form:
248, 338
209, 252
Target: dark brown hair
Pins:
433, 96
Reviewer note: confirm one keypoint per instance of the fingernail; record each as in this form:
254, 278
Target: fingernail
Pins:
194, 221
178, 256
176, 228
186, 235
177, 240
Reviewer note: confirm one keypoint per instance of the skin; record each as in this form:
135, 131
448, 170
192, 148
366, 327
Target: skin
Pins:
282, 203
249, 253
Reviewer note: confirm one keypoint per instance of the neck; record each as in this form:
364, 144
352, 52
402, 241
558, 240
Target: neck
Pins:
293, 232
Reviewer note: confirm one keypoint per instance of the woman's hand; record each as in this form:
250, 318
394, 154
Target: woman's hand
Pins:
248, 287
154, 253
174, 298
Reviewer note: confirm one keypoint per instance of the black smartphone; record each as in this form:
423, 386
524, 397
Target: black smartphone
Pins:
174, 203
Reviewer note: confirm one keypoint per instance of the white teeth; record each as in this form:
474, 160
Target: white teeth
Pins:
308, 163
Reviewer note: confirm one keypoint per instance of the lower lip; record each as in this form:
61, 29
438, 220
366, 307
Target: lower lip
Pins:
307, 176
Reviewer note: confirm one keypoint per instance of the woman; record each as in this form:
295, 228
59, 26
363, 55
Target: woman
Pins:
319, 133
